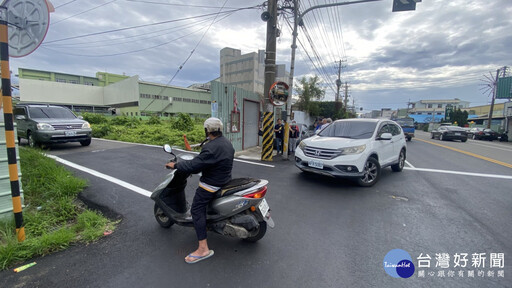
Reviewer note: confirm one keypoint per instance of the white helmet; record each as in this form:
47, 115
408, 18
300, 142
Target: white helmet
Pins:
212, 125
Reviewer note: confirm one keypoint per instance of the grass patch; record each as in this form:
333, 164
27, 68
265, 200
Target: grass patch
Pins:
53, 219
155, 131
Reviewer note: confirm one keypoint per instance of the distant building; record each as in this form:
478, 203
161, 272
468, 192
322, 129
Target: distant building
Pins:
112, 93
436, 107
247, 71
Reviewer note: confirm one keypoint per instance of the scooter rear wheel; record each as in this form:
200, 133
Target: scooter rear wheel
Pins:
161, 218
261, 232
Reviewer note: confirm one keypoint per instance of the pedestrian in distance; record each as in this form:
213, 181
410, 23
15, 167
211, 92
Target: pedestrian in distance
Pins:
215, 162
294, 134
279, 135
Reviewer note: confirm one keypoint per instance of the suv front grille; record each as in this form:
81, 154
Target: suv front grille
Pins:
67, 126
321, 153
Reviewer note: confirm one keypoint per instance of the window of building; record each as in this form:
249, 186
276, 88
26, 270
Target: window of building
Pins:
429, 106
439, 105
429, 113
235, 122
89, 83
73, 82
439, 113
60, 80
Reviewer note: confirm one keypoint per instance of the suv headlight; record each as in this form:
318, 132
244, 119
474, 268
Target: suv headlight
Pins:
86, 125
353, 150
302, 145
44, 126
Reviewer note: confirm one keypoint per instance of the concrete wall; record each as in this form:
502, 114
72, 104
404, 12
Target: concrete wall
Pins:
124, 91
60, 93
222, 94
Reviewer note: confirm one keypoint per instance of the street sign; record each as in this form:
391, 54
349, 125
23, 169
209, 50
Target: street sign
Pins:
404, 5
504, 88
447, 112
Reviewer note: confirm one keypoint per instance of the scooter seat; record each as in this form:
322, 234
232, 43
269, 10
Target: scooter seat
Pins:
236, 185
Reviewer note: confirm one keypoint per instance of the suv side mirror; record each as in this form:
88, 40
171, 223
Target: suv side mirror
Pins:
385, 136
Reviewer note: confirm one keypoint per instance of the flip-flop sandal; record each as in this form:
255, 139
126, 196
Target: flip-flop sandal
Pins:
199, 258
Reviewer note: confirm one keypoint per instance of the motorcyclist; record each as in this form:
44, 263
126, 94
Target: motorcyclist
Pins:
215, 162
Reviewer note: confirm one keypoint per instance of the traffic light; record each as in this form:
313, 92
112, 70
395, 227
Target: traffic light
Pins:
404, 5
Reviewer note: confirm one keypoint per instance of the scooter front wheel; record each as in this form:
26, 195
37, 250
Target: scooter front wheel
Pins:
161, 218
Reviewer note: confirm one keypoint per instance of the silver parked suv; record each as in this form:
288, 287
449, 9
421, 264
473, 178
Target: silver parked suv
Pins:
46, 124
354, 148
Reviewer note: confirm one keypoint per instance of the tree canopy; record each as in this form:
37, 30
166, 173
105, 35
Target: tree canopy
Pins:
309, 94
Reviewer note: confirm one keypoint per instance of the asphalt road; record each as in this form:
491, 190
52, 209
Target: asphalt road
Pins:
329, 232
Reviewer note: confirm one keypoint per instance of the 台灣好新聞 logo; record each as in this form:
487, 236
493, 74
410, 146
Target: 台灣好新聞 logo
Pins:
398, 264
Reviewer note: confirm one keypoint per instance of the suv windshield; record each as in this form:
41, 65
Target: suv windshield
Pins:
51, 112
349, 129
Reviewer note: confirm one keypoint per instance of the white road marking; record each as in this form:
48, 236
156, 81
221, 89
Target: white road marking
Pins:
185, 151
460, 173
102, 176
147, 193
408, 163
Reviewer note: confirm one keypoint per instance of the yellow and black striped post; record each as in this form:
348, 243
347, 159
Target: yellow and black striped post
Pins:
9, 130
267, 146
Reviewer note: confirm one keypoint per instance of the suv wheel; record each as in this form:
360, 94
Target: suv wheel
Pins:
31, 141
441, 138
398, 167
371, 173
86, 142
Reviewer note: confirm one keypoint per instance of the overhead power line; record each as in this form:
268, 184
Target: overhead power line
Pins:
149, 25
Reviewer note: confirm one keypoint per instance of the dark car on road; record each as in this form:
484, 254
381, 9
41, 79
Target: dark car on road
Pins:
484, 134
449, 133
47, 124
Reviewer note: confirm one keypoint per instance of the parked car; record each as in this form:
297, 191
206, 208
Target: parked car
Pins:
485, 134
449, 133
354, 148
473, 131
46, 124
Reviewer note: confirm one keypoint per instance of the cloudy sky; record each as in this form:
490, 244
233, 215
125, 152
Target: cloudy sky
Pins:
442, 50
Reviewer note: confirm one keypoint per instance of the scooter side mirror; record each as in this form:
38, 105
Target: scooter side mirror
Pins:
167, 148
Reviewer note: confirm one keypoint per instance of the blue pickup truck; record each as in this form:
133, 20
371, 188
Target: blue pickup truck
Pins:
407, 125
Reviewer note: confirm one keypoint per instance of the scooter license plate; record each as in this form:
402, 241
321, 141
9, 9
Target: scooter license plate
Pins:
263, 206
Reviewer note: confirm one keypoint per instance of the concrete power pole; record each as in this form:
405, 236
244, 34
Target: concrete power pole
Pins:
346, 99
338, 85
270, 75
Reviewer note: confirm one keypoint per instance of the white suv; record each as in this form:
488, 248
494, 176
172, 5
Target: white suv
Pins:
354, 148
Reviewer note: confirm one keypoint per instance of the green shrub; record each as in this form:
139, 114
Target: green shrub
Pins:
101, 130
183, 122
94, 118
154, 120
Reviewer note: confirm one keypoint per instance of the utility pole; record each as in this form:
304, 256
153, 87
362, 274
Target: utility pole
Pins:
338, 85
494, 91
346, 99
270, 75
